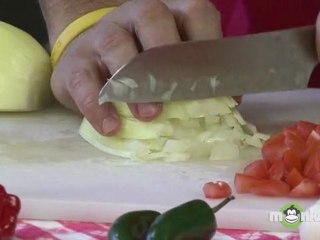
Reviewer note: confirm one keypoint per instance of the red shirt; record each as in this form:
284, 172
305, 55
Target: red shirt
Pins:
240, 17
251, 16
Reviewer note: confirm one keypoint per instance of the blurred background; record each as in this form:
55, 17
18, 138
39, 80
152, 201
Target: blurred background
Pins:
26, 15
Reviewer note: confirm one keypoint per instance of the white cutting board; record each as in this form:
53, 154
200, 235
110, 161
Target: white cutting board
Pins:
59, 176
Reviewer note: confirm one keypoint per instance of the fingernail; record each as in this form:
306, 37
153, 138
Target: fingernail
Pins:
148, 110
110, 125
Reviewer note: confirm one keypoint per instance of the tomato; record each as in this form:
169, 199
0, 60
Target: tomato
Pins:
277, 170
2, 190
304, 128
271, 187
290, 164
294, 141
274, 148
244, 183
258, 169
216, 190
306, 189
10, 206
313, 139
292, 129
316, 178
292, 159
265, 187
294, 178
317, 129
312, 166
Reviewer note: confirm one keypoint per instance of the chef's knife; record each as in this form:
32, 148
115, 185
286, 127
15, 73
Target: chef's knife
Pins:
266, 62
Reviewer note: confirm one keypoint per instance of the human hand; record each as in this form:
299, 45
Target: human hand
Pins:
133, 27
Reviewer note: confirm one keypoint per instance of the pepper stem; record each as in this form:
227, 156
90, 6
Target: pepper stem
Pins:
222, 204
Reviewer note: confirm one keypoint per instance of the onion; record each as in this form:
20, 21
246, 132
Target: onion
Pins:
207, 129
25, 71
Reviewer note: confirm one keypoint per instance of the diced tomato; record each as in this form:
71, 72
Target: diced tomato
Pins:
265, 187
271, 188
244, 183
312, 166
313, 139
306, 189
292, 159
2, 190
294, 178
274, 148
316, 178
217, 190
277, 170
290, 165
295, 142
304, 128
292, 129
312, 143
258, 169
317, 129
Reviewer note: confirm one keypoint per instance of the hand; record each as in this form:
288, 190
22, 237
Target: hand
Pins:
133, 27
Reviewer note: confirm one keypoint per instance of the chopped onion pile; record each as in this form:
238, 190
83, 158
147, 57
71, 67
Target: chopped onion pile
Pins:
187, 130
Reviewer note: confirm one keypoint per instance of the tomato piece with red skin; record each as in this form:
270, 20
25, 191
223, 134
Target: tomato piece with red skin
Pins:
304, 128
312, 166
277, 170
258, 169
306, 189
244, 183
313, 139
312, 142
316, 178
292, 159
2, 190
272, 188
295, 142
317, 129
265, 187
293, 178
274, 148
218, 189
292, 128
10, 206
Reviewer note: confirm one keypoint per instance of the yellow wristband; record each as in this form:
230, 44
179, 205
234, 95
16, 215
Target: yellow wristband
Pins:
73, 30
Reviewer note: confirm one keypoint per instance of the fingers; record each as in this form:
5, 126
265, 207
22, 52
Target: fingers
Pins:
197, 19
145, 111
82, 85
154, 24
84, 88
116, 48
114, 41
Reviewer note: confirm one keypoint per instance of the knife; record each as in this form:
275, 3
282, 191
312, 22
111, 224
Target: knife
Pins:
265, 62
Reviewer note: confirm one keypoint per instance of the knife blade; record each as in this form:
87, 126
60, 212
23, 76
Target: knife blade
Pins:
265, 62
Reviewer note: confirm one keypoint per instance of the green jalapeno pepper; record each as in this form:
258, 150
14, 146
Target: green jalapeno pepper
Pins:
194, 220
132, 225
